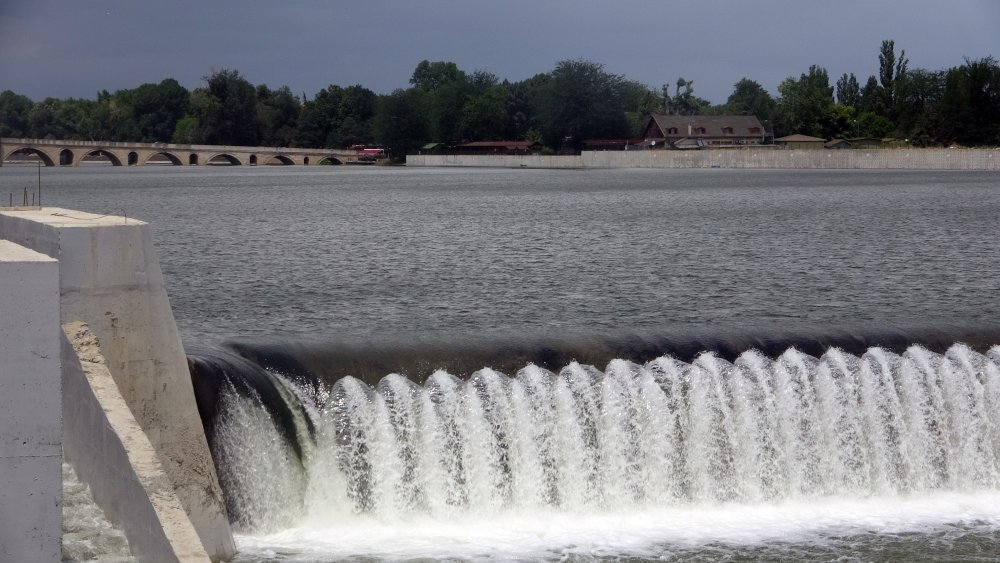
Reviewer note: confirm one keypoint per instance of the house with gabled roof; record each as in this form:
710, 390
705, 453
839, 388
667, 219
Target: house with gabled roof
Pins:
704, 130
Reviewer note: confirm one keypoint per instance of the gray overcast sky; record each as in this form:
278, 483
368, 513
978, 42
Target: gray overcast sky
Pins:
74, 48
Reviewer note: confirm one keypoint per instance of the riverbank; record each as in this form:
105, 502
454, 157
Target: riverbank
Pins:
874, 159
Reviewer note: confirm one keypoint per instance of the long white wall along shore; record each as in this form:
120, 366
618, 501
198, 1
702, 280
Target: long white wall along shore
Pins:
848, 159
109, 278
30, 414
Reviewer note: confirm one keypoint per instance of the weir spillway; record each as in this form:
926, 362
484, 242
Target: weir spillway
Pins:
576, 442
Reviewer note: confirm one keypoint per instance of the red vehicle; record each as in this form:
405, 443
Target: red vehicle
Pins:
368, 154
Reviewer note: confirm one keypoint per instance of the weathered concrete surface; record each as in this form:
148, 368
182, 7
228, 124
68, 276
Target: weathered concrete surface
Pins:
109, 277
111, 453
30, 398
495, 161
913, 159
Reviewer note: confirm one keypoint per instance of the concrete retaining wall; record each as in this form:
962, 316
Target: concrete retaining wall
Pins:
109, 277
30, 415
915, 159
495, 161
111, 454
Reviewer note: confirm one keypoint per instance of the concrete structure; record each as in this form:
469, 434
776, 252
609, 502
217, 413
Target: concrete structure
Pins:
71, 153
110, 453
756, 157
109, 278
30, 415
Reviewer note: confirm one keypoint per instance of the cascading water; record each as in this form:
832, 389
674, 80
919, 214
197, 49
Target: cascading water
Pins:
625, 459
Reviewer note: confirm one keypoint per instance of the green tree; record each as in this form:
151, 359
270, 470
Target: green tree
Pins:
400, 122
750, 98
186, 131
278, 114
839, 122
891, 70
430, 77
683, 102
14, 112
582, 101
871, 124
917, 97
849, 91
226, 110
805, 103
970, 103
871, 96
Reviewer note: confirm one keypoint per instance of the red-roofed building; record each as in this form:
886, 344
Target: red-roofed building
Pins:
704, 130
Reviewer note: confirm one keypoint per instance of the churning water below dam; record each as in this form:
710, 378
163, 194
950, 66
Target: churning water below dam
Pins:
858, 441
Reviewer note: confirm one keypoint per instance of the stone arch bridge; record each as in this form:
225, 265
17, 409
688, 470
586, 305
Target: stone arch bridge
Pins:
71, 153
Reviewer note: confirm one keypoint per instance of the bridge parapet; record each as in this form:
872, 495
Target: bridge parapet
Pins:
71, 152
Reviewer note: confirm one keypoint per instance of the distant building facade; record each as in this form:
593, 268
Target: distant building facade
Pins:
703, 131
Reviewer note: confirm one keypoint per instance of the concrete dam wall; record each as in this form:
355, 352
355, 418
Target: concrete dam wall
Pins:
84, 311
760, 158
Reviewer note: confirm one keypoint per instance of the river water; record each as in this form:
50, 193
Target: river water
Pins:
350, 254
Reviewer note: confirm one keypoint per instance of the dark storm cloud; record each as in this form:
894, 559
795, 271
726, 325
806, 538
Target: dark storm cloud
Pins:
74, 49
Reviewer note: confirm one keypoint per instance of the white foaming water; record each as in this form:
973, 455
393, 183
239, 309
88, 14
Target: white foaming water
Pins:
644, 461
87, 533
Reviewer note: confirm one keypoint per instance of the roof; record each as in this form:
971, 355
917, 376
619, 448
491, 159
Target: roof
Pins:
799, 139
498, 144
742, 125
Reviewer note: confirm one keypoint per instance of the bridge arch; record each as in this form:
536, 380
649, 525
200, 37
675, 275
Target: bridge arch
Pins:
66, 157
305, 161
133, 158
193, 159
174, 159
330, 161
279, 160
115, 161
223, 159
253, 160
46, 159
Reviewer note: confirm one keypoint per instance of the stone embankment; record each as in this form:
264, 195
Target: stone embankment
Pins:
753, 158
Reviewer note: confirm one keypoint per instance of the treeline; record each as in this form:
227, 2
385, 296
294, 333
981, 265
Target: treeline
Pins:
576, 101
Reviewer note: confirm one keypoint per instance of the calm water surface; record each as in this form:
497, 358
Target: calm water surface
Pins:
343, 252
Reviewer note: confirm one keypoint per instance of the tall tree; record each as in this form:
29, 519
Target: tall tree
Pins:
970, 104
400, 123
849, 91
805, 103
582, 101
156, 108
228, 113
278, 114
750, 98
430, 77
891, 70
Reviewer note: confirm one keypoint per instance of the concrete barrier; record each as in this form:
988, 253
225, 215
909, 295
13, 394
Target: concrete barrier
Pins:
761, 158
111, 454
30, 399
109, 277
